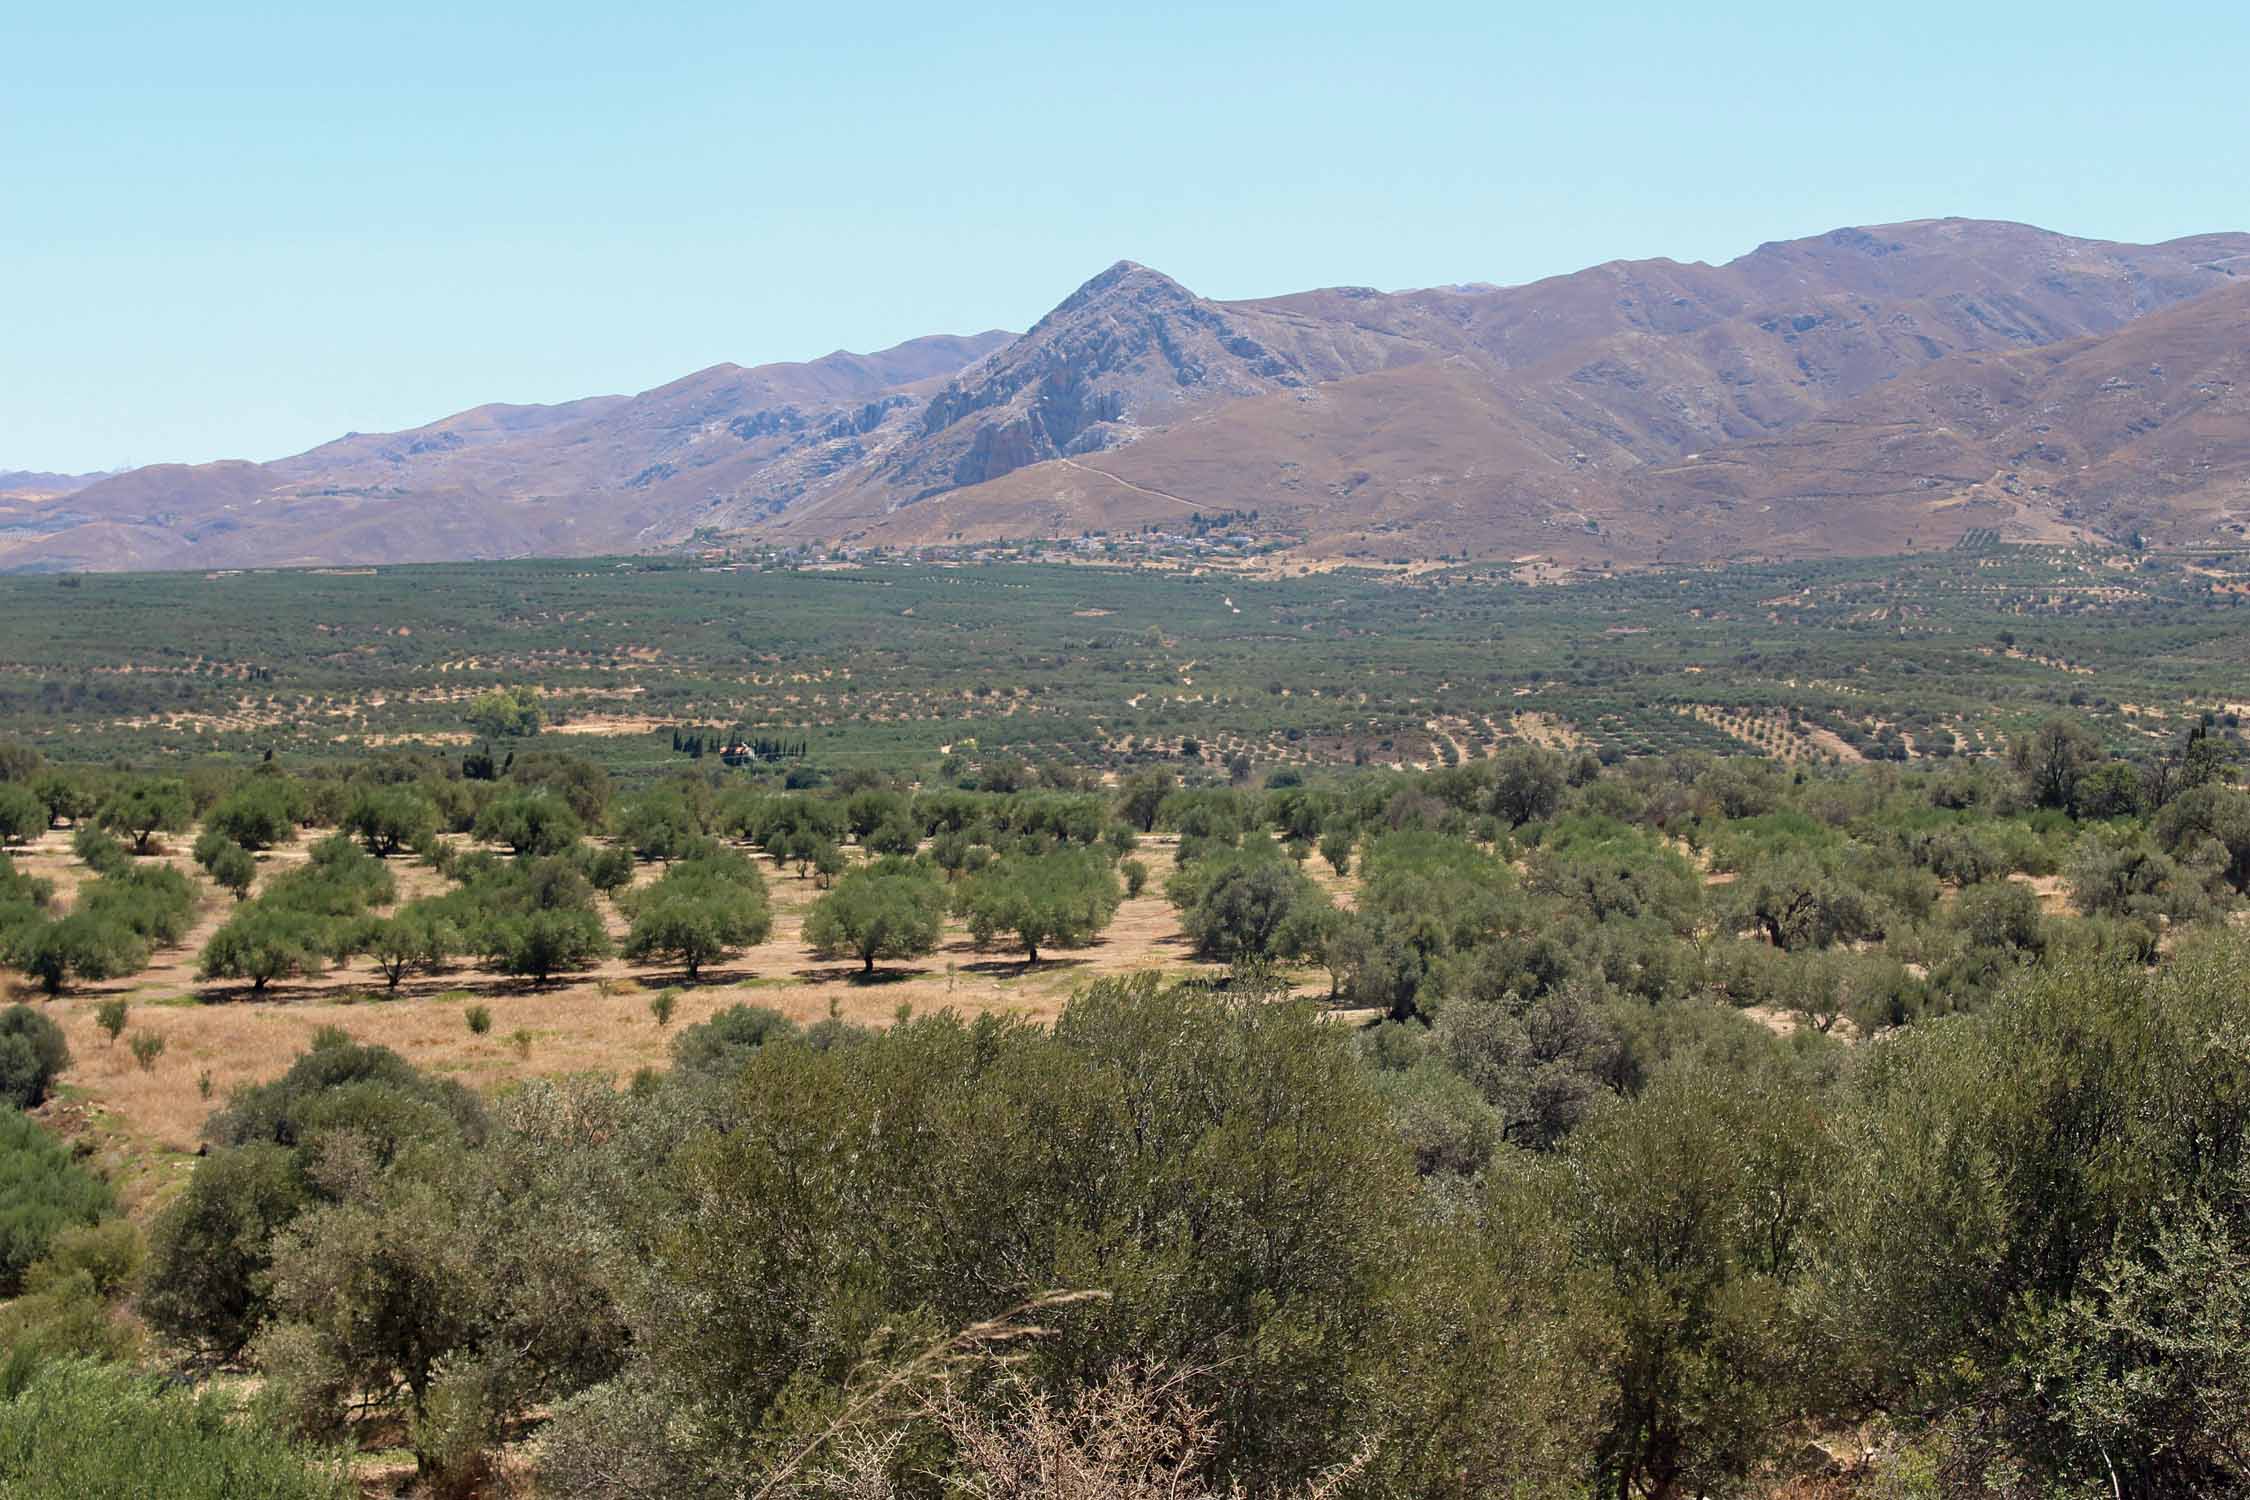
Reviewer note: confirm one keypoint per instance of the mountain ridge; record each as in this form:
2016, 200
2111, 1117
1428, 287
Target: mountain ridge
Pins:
1554, 415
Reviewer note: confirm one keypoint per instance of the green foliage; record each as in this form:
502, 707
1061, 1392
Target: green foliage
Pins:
263, 942
32, 1054
233, 870
1691, 1210
211, 1247
145, 807
1059, 900
416, 938
68, 1308
147, 1047
83, 946
529, 823
894, 909
1797, 903
506, 713
79, 1429
98, 852
1255, 1113
659, 825
258, 814
1239, 906
479, 1019
342, 1115
153, 903
2020, 1188
23, 814
341, 1084
701, 910
718, 1048
387, 819
42, 1194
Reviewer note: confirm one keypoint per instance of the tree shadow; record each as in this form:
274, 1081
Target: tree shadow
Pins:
1017, 968
853, 974
710, 976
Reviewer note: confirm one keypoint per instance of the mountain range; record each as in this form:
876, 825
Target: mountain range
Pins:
1864, 391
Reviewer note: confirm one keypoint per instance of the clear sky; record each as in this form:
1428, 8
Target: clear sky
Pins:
234, 231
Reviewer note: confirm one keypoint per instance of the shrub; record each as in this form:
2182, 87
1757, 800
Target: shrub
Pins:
78, 1429
479, 1018
718, 1047
147, 1047
211, 1247
42, 1194
32, 1053
662, 1004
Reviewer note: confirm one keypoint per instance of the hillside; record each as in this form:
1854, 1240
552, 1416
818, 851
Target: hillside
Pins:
1859, 391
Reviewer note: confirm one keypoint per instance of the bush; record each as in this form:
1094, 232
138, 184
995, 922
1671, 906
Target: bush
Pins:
111, 1015
32, 1053
77, 1430
719, 1047
42, 1193
211, 1248
479, 1018
147, 1048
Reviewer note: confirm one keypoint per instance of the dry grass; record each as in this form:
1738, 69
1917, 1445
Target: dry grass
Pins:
220, 1036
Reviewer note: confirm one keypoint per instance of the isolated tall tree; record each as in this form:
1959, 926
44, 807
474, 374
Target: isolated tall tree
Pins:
2051, 759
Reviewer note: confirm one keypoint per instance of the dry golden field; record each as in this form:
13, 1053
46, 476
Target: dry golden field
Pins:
146, 1123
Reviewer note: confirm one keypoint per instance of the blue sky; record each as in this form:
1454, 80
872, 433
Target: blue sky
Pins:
235, 231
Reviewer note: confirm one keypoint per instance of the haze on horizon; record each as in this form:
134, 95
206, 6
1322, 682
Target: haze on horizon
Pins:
237, 234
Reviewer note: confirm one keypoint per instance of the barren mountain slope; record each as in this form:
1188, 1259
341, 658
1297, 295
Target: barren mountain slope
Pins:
1632, 410
607, 473
1496, 418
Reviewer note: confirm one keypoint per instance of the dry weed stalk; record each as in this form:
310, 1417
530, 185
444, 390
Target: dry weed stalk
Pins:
931, 1367
1136, 1436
